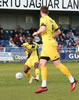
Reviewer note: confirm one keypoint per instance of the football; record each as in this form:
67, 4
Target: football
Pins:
19, 75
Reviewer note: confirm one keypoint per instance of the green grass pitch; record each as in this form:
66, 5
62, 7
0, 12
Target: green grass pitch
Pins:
58, 84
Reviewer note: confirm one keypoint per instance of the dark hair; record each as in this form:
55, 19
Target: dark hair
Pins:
70, 29
44, 9
29, 35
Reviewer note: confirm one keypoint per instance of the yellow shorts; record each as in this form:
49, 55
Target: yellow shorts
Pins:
50, 51
31, 61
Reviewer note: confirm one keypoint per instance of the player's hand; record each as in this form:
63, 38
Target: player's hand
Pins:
29, 52
35, 33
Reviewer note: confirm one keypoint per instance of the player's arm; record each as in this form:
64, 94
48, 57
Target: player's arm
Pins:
41, 29
57, 32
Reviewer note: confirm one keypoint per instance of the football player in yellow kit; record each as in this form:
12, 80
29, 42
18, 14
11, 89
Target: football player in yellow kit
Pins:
31, 50
49, 29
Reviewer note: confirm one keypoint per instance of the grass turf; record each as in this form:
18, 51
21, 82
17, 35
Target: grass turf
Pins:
58, 85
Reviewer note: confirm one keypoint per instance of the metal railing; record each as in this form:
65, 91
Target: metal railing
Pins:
20, 49
17, 54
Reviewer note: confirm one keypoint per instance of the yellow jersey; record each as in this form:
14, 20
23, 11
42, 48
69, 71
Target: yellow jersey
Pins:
32, 47
51, 26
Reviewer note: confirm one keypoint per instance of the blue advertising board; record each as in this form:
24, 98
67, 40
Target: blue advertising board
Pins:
69, 56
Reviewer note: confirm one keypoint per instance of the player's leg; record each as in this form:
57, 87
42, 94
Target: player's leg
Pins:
66, 72
37, 71
26, 71
43, 88
28, 74
54, 56
27, 67
43, 66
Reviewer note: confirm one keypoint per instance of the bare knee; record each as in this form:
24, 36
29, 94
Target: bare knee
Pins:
57, 62
43, 62
26, 68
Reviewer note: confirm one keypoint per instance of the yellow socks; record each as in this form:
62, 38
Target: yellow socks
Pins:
44, 72
37, 72
44, 76
28, 75
64, 70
